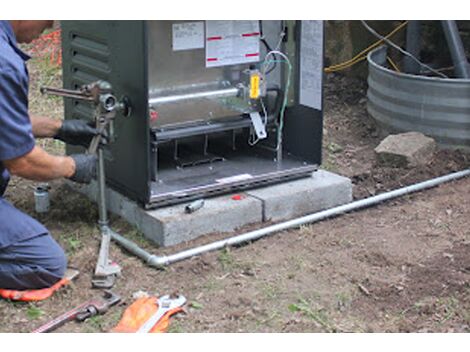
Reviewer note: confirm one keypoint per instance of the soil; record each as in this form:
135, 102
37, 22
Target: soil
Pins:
400, 266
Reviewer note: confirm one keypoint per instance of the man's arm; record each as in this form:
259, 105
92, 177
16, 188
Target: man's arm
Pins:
38, 165
75, 132
44, 127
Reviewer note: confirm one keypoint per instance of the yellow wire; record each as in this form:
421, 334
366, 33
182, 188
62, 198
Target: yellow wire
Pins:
390, 61
362, 55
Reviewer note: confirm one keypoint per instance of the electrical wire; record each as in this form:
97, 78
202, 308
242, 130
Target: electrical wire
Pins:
282, 34
394, 66
286, 90
404, 52
363, 54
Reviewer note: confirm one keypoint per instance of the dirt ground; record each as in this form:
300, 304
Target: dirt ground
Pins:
403, 266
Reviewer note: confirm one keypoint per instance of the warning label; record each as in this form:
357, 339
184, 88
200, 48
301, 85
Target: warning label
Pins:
232, 42
188, 35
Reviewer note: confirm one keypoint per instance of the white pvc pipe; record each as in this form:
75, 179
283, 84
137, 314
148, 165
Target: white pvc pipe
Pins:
159, 261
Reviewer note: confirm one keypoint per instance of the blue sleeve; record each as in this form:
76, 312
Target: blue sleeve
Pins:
16, 135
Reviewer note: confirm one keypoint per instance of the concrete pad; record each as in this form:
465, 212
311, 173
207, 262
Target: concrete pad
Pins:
171, 225
296, 198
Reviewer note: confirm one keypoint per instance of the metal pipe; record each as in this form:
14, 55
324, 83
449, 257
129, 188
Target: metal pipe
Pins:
160, 261
457, 51
220, 93
413, 46
102, 211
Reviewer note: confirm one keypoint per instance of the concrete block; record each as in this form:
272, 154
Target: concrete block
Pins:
405, 149
171, 225
296, 198
221, 214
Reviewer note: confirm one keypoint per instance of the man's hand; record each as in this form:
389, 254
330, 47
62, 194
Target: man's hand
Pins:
76, 132
85, 167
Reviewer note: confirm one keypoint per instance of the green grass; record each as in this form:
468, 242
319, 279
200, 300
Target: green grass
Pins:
196, 305
34, 312
226, 259
316, 314
175, 327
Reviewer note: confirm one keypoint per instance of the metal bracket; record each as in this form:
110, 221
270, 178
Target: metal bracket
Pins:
260, 128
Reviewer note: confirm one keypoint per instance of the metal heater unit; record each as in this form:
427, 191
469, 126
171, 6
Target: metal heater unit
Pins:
216, 106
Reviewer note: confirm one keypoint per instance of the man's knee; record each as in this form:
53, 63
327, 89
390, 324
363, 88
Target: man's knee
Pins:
32, 264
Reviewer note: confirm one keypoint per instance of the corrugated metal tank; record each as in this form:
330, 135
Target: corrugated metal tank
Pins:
437, 107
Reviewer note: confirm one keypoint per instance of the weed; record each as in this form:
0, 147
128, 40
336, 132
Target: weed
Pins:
136, 236
329, 165
175, 327
270, 291
96, 322
316, 314
226, 259
196, 305
72, 242
334, 148
451, 306
343, 300
212, 284
34, 312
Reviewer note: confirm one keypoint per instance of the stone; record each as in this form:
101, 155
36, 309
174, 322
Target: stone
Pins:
405, 150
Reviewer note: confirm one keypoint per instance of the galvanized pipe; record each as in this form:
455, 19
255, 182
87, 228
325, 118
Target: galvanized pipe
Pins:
160, 261
211, 94
413, 46
102, 211
457, 51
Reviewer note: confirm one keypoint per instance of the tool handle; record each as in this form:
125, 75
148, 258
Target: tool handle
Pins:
62, 319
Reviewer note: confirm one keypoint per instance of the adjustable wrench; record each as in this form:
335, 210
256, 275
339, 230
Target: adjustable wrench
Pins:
165, 304
83, 311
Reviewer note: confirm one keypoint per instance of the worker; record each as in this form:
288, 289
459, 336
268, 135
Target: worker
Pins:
29, 257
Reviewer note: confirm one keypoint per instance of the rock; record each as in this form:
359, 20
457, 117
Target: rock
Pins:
405, 149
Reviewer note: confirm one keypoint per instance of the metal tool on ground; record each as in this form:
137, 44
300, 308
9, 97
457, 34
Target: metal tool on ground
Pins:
84, 311
106, 105
165, 304
194, 206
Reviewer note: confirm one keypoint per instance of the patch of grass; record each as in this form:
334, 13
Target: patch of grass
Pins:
334, 148
226, 259
275, 317
137, 237
196, 305
316, 314
175, 327
343, 300
34, 312
450, 307
270, 290
212, 284
96, 322
329, 165
73, 243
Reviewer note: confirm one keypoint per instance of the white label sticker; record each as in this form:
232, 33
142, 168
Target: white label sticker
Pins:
311, 64
232, 42
188, 35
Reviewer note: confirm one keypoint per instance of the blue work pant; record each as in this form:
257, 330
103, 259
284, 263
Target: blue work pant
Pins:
32, 263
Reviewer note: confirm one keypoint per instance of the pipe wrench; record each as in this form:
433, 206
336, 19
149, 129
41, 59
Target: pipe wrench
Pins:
165, 304
84, 311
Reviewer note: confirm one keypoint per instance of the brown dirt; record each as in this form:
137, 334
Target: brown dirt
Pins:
400, 266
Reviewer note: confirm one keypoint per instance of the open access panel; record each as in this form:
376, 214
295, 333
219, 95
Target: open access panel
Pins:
216, 106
